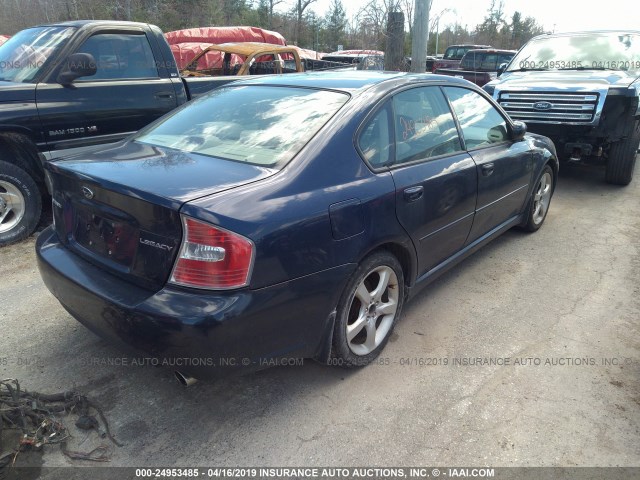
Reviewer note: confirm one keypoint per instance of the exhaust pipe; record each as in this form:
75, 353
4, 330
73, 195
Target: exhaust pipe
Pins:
184, 379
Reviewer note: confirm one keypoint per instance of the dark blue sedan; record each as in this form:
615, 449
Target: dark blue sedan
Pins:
287, 216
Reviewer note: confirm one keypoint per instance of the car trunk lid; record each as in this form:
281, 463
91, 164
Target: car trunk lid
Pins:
119, 208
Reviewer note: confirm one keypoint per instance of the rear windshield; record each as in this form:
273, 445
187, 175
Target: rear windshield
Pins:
260, 125
455, 53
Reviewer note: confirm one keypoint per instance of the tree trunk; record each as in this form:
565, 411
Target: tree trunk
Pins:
394, 49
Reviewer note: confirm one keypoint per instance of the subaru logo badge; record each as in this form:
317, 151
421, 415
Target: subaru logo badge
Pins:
543, 106
86, 191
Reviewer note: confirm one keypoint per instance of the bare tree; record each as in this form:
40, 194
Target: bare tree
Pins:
365, 30
272, 4
300, 7
373, 19
408, 7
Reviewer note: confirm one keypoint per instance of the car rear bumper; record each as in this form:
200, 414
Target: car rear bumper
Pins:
200, 333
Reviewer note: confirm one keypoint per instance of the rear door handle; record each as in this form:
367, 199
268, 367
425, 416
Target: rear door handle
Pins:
164, 95
413, 193
487, 169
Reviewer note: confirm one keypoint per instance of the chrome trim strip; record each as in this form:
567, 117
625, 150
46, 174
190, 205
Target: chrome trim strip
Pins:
526, 185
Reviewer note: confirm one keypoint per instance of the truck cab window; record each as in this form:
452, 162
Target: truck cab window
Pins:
120, 56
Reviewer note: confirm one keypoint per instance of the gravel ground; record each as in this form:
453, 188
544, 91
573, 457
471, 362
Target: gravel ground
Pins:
563, 303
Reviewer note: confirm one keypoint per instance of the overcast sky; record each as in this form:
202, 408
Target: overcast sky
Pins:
565, 15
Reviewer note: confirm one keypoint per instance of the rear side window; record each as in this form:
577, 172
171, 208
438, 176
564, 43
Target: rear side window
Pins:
120, 56
375, 139
481, 124
424, 125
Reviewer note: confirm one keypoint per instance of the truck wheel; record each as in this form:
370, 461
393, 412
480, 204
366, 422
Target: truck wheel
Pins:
622, 159
20, 204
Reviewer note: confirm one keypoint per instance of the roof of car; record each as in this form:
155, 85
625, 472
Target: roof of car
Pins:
350, 80
470, 45
489, 50
82, 23
587, 32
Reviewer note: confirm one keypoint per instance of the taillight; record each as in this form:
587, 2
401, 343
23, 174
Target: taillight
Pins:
211, 257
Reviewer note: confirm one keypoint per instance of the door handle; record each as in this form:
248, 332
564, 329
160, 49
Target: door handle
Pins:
413, 193
487, 169
164, 95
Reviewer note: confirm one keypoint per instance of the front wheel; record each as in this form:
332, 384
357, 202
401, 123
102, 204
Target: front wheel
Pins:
368, 310
540, 200
20, 204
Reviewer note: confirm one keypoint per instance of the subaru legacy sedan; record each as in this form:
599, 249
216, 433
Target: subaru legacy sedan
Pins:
287, 217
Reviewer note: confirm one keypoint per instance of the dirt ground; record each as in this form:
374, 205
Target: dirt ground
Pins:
559, 308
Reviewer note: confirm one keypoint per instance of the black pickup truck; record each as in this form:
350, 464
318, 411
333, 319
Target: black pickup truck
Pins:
479, 66
72, 86
582, 90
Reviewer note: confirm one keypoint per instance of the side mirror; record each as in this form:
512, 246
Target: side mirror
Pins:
518, 131
501, 69
77, 65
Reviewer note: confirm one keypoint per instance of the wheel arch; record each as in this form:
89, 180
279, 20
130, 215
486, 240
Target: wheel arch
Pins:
18, 148
408, 261
553, 162
403, 254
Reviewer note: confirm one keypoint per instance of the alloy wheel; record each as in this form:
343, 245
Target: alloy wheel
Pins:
542, 198
372, 311
12, 206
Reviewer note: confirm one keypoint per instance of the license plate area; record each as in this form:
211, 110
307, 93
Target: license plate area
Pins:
107, 237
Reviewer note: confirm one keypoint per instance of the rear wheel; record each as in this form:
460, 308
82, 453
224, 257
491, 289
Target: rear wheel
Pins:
622, 158
368, 310
20, 204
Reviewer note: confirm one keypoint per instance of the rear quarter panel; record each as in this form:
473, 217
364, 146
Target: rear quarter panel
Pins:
289, 219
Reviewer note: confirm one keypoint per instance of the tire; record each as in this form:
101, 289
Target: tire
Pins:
622, 158
540, 199
368, 310
20, 204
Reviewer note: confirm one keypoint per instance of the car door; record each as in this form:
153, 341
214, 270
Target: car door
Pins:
504, 166
435, 178
124, 95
